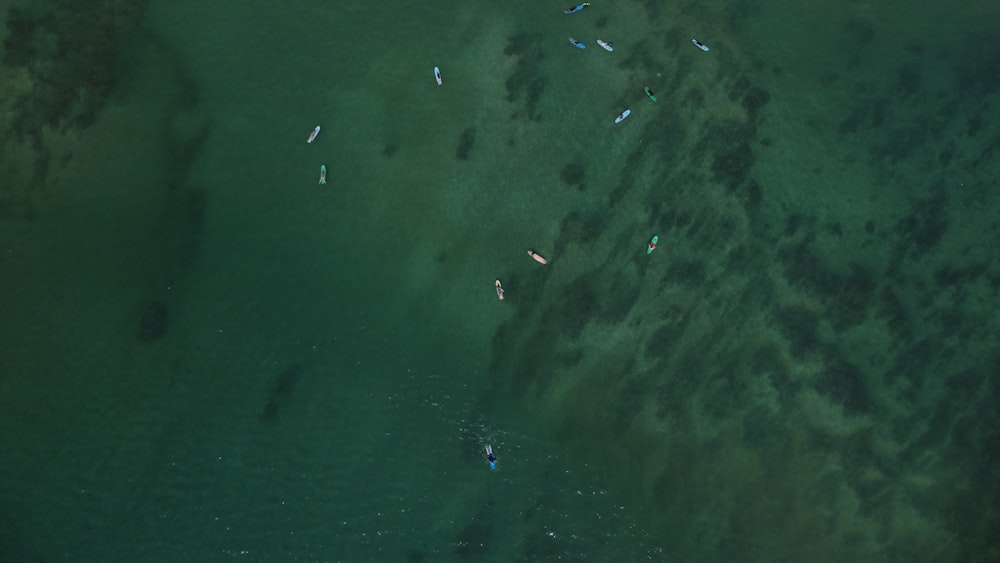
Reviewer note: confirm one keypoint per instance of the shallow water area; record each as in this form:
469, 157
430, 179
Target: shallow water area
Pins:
211, 355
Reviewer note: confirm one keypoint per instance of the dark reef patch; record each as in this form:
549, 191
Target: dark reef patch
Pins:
466, 141
473, 542
661, 344
572, 174
725, 388
950, 276
689, 273
579, 305
629, 400
576, 228
568, 358
753, 194
867, 114
843, 382
802, 266
846, 297
914, 359
281, 388
533, 362
980, 73
731, 163
626, 178
621, 298
741, 11
751, 97
68, 52
390, 150
154, 322
184, 153
924, 227
192, 214
907, 82
974, 125
526, 83
745, 259
800, 327
859, 30
767, 359
641, 57
947, 153
891, 310
854, 293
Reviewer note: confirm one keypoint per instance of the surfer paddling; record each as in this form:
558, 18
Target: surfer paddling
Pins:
322, 174
312, 136
492, 459
652, 244
537, 257
499, 291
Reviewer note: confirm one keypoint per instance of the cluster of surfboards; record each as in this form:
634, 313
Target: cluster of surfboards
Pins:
606, 45
322, 169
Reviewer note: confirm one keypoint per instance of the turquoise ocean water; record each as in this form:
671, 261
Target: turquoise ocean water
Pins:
207, 356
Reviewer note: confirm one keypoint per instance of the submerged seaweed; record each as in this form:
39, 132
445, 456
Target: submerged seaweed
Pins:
154, 321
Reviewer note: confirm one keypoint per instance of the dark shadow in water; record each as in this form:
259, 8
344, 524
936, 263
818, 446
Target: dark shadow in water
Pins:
13, 546
800, 327
577, 228
846, 297
923, 228
572, 174
69, 54
281, 389
473, 542
527, 82
154, 322
466, 141
843, 382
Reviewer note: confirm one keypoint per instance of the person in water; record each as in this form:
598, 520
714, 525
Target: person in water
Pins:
490, 457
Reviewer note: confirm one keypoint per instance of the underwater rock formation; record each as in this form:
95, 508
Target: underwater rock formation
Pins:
465, 143
282, 387
154, 322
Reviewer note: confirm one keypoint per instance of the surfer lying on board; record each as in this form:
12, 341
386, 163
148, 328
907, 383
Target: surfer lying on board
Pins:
499, 290
491, 458
577, 8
